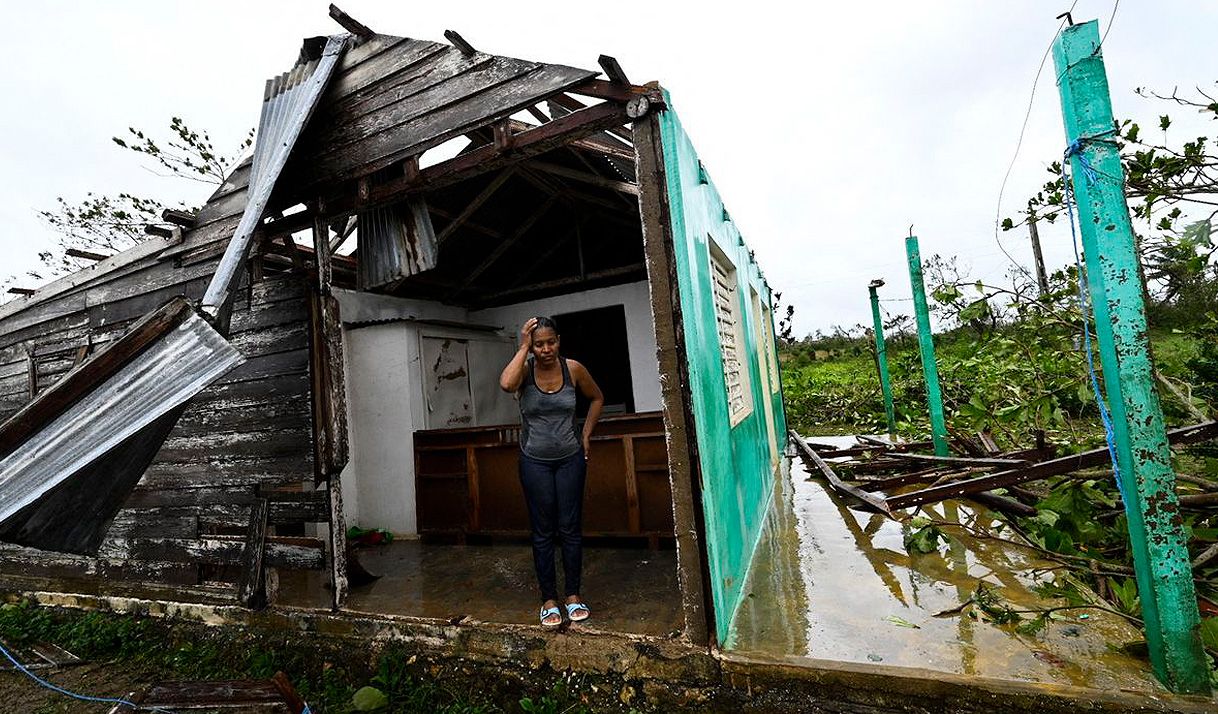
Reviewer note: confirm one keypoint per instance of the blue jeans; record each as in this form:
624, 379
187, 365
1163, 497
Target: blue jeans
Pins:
554, 492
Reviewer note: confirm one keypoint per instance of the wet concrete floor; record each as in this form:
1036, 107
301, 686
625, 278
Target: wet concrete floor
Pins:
632, 590
833, 583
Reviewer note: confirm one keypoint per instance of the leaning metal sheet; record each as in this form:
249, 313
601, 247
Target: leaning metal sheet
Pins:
166, 375
289, 102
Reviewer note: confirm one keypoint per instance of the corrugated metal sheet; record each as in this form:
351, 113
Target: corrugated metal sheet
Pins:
395, 242
288, 103
150, 386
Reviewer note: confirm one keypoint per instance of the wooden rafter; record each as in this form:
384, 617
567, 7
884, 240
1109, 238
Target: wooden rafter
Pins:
562, 131
613, 70
85, 255
473, 206
574, 105
503, 246
585, 177
555, 246
350, 24
468, 224
573, 280
539, 115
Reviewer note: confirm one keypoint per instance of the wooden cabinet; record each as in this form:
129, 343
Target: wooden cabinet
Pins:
467, 480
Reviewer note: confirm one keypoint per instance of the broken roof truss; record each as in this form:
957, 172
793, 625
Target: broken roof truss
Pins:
330, 139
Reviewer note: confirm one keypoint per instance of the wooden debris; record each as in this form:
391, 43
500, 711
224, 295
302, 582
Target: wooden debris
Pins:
872, 500
1044, 469
277, 691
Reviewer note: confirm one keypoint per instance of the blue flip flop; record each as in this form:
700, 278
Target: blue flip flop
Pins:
574, 607
548, 611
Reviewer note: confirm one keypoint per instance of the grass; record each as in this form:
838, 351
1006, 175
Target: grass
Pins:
327, 673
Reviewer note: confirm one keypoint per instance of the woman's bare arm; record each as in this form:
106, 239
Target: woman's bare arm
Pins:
587, 386
513, 374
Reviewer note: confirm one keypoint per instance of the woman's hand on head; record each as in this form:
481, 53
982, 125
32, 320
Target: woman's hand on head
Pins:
526, 332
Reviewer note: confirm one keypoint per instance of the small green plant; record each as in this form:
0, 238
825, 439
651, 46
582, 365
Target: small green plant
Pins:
923, 536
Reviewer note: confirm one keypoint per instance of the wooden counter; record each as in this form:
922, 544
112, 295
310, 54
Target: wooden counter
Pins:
467, 480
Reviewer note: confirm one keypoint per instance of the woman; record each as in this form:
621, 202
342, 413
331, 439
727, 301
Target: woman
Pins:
553, 458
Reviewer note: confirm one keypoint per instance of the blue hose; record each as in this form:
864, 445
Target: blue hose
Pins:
80, 697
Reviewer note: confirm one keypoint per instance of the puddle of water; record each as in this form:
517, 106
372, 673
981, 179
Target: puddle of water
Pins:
831, 582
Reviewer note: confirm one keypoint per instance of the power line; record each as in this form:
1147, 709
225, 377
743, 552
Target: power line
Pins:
1115, 5
1019, 144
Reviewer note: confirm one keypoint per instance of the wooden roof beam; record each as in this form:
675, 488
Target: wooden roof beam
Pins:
459, 42
503, 246
573, 280
473, 206
350, 24
574, 105
525, 145
85, 255
468, 224
612, 69
185, 219
585, 177
562, 131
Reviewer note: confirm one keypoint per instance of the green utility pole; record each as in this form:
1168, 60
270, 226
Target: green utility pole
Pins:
1164, 575
881, 358
926, 345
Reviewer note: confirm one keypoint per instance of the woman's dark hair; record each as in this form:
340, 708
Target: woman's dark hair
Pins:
546, 322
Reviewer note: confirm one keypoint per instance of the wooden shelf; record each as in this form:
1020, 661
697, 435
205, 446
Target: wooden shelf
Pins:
489, 501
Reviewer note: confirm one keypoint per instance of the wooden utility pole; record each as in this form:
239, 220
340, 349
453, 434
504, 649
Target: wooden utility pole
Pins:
1042, 279
1156, 535
926, 346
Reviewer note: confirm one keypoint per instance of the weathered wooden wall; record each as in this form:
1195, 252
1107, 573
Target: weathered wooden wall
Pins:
249, 431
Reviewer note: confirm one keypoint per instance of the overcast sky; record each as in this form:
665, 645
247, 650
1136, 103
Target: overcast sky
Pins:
829, 128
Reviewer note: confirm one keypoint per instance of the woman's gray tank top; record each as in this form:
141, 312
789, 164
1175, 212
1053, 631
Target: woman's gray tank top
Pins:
547, 419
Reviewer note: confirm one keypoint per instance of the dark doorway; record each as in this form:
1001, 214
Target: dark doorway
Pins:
597, 339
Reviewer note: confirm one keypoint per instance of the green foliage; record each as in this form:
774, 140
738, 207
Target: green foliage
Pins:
1066, 521
1125, 594
110, 223
367, 699
186, 153
923, 537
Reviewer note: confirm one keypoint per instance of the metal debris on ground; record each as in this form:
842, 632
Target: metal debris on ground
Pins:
975, 472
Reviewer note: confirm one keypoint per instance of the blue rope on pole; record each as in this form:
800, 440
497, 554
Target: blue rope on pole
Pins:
1089, 173
80, 697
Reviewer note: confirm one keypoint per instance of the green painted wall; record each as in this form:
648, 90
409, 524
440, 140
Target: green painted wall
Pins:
736, 461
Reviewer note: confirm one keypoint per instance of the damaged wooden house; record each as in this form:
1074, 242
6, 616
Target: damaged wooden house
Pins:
203, 417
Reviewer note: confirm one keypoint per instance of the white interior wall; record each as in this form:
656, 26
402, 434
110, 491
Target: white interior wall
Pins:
640, 329
380, 475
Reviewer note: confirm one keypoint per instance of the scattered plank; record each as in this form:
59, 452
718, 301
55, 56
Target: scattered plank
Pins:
962, 460
1054, 467
876, 502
